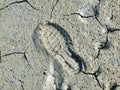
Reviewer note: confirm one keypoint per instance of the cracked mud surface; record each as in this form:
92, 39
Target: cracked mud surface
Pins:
92, 36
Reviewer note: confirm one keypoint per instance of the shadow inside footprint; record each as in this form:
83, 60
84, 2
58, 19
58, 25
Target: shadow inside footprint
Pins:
78, 59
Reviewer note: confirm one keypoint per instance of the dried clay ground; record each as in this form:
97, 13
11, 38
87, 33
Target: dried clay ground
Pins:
59, 44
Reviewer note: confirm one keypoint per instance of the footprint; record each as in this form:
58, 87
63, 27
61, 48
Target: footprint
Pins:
59, 45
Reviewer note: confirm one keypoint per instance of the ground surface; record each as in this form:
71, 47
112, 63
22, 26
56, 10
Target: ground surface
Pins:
94, 29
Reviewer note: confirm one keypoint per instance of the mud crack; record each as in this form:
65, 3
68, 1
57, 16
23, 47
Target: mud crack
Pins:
79, 15
53, 8
95, 74
22, 82
95, 14
18, 2
23, 53
96, 10
105, 45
